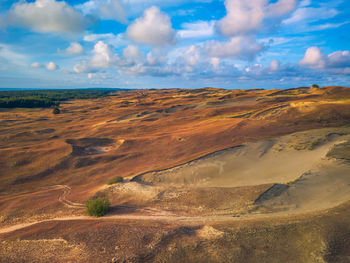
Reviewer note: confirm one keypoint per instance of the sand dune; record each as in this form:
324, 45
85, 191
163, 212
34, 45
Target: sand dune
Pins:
305, 177
325, 186
269, 161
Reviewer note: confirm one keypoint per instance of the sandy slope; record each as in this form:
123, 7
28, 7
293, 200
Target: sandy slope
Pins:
306, 179
263, 162
326, 185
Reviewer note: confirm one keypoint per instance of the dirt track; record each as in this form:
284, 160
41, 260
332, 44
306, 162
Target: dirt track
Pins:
144, 214
148, 217
147, 214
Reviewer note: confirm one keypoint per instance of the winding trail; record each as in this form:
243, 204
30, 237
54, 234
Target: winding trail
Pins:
146, 213
62, 198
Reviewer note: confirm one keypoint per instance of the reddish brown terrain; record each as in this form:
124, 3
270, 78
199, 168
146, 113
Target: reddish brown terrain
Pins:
210, 175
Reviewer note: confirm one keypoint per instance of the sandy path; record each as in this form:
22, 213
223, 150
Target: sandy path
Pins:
149, 217
62, 198
151, 214
146, 214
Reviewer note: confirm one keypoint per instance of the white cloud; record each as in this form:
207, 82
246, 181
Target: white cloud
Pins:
337, 62
248, 16
52, 66
191, 62
135, 70
280, 8
151, 59
113, 9
313, 58
215, 62
94, 37
255, 69
153, 28
325, 26
133, 54
339, 59
109, 38
274, 41
47, 16
197, 29
242, 16
120, 10
274, 65
305, 3
103, 58
36, 65
192, 55
307, 18
74, 48
103, 55
311, 14
156, 57
185, 59
105, 9
81, 68
9, 55
240, 47
165, 2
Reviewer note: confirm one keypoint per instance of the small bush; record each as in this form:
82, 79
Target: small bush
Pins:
56, 110
97, 207
315, 86
115, 179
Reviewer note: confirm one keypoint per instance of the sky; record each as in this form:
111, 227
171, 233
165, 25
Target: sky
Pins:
234, 44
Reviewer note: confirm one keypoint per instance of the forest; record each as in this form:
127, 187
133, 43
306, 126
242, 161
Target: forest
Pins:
48, 98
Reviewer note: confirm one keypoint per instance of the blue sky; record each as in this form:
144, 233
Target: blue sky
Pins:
174, 44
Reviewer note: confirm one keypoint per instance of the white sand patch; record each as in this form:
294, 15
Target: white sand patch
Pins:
209, 232
145, 192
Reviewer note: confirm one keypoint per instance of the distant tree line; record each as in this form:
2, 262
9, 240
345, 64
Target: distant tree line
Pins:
27, 102
47, 98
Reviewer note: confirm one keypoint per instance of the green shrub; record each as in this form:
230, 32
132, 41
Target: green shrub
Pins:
315, 86
56, 110
115, 179
97, 207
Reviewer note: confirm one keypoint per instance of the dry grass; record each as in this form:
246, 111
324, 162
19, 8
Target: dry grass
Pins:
137, 132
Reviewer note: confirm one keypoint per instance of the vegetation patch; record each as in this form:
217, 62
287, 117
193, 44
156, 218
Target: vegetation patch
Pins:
340, 151
304, 141
115, 180
56, 110
98, 207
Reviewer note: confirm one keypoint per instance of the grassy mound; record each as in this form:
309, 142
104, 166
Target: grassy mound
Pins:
115, 180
